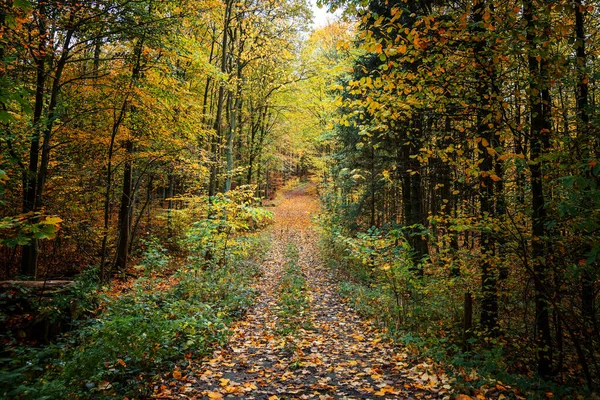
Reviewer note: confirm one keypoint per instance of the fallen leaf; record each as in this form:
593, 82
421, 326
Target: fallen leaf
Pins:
224, 381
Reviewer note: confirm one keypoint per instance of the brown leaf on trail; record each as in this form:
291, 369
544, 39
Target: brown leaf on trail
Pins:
386, 390
214, 395
233, 389
463, 397
177, 374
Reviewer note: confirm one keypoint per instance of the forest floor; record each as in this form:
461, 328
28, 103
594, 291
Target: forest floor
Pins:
326, 352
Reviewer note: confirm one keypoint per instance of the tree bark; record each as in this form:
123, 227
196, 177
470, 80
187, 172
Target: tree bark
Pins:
217, 127
539, 137
125, 213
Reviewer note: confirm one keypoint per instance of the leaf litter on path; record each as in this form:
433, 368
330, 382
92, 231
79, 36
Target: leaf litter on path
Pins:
339, 355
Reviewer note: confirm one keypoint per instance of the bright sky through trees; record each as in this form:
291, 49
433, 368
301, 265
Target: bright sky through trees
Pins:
322, 16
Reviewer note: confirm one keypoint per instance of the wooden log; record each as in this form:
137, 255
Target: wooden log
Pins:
50, 286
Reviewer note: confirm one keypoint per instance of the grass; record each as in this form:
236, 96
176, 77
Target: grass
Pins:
294, 304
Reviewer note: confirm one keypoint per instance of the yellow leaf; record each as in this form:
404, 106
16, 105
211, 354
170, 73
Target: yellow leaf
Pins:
52, 221
214, 395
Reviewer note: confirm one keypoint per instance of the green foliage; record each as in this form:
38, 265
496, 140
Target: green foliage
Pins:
211, 239
137, 335
140, 333
21, 229
424, 315
155, 258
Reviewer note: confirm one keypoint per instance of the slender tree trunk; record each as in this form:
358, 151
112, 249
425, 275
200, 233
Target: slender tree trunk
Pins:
142, 210
217, 127
233, 125
412, 191
539, 137
208, 80
47, 134
118, 119
29, 254
36, 181
485, 140
373, 204
251, 146
170, 194
588, 281
125, 211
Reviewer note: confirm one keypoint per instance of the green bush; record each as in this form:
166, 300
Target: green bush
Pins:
147, 330
424, 315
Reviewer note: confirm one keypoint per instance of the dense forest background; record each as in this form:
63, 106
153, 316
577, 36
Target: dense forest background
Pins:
455, 144
465, 180
113, 112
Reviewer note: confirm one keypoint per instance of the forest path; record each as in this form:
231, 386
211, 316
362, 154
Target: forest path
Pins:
332, 354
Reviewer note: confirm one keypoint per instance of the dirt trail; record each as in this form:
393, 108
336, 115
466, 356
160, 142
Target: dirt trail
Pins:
339, 356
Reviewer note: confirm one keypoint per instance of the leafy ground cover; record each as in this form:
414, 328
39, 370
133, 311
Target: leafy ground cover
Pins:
137, 329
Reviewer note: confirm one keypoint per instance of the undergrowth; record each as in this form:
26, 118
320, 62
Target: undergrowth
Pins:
123, 341
425, 316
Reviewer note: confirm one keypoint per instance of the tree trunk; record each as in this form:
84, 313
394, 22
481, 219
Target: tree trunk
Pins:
109, 171
29, 254
539, 137
217, 127
125, 209
485, 138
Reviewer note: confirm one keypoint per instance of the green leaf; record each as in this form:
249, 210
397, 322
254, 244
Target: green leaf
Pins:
567, 181
24, 5
596, 170
5, 117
